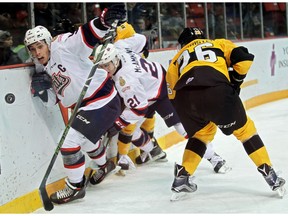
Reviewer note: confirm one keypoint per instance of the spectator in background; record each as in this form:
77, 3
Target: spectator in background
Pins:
93, 10
172, 24
232, 33
219, 20
251, 20
7, 56
139, 25
44, 16
74, 12
19, 25
5, 20
64, 26
130, 13
143, 18
15, 20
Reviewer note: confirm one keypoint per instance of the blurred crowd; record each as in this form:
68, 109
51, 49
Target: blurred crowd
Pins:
161, 23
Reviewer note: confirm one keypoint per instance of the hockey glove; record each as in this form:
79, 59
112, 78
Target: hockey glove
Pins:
118, 125
112, 131
109, 15
39, 85
145, 51
236, 80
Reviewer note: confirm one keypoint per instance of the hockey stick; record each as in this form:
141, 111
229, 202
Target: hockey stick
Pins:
47, 204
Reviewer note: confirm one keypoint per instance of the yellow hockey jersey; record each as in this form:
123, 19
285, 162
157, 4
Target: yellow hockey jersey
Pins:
205, 62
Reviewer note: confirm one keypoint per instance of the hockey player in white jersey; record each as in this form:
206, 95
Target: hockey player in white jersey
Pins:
64, 67
142, 86
127, 38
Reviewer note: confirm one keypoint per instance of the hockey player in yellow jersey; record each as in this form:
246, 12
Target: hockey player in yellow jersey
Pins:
124, 32
206, 96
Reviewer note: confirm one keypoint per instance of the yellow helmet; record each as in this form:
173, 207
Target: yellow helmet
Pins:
125, 30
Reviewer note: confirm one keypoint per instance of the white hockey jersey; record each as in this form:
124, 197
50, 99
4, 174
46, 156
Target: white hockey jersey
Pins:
138, 80
69, 67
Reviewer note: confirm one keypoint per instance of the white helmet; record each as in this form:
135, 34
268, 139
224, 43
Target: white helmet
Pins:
37, 34
110, 54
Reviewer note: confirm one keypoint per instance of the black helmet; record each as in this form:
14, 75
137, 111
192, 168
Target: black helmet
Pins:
190, 34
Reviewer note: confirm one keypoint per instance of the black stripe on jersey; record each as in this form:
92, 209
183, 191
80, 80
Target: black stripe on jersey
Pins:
193, 57
217, 51
103, 91
89, 35
239, 54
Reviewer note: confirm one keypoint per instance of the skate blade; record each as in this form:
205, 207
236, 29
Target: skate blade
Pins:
121, 172
155, 159
116, 170
162, 160
281, 192
178, 196
158, 157
224, 169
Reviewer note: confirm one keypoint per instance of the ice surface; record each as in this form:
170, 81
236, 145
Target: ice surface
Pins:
242, 190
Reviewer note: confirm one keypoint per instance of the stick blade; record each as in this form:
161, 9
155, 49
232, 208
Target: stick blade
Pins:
47, 204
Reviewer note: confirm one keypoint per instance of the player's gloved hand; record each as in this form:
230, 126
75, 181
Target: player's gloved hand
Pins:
145, 51
112, 131
39, 85
236, 80
117, 126
115, 12
237, 87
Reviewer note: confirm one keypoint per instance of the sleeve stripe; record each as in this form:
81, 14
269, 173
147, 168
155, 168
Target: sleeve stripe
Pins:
91, 35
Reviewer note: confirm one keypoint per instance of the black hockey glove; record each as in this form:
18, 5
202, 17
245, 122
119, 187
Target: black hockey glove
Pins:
145, 51
117, 126
39, 85
109, 15
112, 131
236, 80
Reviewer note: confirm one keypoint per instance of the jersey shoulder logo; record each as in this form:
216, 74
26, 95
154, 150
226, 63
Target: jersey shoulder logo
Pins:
122, 82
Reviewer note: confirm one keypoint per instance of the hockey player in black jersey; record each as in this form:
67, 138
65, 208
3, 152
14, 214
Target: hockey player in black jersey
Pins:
206, 96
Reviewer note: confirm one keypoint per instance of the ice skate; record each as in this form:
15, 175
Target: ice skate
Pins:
275, 182
71, 192
183, 183
125, 163
154, 155
104, 171
219, 164
163, 158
